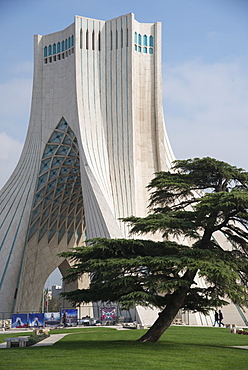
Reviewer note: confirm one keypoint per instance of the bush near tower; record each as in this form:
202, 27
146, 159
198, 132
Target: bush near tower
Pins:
194, 201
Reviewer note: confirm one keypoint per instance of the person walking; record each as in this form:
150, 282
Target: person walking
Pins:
221, 318
216, 318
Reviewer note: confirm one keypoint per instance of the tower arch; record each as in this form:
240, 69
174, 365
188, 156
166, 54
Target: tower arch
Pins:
56, 219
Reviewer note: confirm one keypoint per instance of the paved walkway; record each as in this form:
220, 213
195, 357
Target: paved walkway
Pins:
242, 347
53, 338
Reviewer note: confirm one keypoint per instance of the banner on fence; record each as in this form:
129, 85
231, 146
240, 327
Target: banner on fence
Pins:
52, 319
36, 320
19, 320
108, 313
69, 317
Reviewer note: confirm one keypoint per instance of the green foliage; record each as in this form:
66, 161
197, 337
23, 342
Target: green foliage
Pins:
194, 202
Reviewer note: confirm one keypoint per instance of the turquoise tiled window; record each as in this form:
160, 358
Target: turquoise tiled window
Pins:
141, 43
57, 137
50, 150
47, 200
51, 185
39, 196
54, 49
72, 205
67, 192
67, 141
151, 41
71, 178
58, 47
50, 50
62, 126
64, 171
62, 180
57, 161
69, 162
73, 153
72, 40
63, 45
58, 191
45, 165
74, 195
56, 201
64, 205
42, 180
69, 185
74, 170
70, 133
53, 173
63, 150
45, 51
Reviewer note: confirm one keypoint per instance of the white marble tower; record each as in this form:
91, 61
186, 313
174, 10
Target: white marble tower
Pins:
96, 137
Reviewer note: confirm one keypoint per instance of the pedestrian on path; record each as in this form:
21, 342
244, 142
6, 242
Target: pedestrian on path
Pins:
220, 319
216, 318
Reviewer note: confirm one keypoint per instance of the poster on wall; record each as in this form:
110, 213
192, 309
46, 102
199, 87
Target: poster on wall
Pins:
52, 319
36, 320
19, 320
108, 313
69, 316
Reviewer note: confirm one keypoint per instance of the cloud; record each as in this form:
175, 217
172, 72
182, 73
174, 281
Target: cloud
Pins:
10, 151
206, 110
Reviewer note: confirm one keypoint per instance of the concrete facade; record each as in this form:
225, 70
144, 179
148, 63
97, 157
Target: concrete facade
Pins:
96, 136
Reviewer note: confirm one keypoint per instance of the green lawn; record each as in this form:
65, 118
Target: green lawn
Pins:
104, 348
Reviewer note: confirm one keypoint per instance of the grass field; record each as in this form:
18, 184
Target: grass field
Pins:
104, 348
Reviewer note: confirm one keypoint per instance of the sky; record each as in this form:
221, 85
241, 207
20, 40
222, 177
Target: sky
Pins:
204, 60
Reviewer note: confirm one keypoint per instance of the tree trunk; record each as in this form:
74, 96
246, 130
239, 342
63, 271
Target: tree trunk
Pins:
168, 314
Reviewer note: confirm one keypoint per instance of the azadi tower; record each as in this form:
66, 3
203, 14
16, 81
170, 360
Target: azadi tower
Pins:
96, 137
